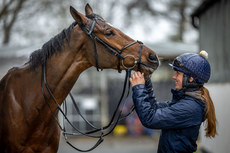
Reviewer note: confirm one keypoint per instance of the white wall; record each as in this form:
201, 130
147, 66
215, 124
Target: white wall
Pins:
220, 94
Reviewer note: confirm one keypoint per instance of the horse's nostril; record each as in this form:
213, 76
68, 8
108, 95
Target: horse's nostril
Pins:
152, 58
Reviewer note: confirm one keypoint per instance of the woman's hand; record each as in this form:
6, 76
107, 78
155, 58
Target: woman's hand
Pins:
137, 78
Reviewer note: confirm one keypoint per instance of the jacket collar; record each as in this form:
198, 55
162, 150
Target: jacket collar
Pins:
195, 94
179, 94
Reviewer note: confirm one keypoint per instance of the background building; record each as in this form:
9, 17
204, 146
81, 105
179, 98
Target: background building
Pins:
212, 18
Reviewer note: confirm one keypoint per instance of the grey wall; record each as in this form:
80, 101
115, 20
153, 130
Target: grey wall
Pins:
214, 29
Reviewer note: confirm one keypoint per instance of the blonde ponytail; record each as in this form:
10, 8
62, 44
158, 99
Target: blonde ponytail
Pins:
210, 115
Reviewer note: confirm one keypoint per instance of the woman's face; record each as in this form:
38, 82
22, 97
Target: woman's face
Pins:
178, 77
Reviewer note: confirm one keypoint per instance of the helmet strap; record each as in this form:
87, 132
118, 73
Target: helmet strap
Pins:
191, 86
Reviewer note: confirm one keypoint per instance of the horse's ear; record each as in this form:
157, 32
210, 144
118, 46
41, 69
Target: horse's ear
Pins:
78, 17
88, 9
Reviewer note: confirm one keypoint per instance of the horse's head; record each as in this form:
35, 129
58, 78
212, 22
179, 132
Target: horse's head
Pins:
108, 47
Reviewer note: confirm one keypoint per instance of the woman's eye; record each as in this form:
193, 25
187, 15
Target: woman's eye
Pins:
110, 33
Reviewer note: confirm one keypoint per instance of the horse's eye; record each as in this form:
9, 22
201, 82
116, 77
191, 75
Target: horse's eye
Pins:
109, 33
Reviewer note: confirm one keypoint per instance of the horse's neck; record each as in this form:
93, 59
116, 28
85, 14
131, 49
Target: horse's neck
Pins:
64, 69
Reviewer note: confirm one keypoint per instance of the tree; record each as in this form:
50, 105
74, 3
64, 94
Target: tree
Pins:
8, 15
176, 12
25, 12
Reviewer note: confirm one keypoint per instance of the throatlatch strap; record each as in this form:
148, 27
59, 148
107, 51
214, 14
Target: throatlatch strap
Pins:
95, 54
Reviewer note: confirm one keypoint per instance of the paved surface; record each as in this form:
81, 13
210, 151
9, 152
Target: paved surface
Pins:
111, 144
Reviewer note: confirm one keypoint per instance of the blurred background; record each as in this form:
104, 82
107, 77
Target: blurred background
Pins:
169, 27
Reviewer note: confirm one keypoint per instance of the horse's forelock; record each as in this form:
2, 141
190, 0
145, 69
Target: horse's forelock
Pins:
94, 16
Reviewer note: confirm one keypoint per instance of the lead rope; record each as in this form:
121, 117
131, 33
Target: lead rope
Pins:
43, 80
79, 112
64, 113
116, 113
70, 144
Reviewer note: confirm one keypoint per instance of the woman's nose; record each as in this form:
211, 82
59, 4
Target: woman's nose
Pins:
174, 76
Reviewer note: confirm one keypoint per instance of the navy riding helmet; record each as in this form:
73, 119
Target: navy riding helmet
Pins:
194, 65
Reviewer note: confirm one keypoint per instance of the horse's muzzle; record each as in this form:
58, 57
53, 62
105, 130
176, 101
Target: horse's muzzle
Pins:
153, 59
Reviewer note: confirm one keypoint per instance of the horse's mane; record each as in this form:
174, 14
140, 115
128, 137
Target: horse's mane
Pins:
54, 45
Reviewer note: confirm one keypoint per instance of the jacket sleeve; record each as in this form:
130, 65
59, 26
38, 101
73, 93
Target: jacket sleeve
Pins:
162, 115
151, 96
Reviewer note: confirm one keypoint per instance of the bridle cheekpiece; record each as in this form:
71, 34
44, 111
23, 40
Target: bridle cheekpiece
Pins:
111, 49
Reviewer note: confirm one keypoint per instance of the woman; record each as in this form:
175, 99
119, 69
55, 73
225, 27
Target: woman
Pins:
180, 118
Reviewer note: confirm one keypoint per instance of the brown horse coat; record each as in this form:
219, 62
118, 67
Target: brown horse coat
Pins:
26, 123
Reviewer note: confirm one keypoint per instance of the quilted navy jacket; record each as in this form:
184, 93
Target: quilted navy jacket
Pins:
178, 119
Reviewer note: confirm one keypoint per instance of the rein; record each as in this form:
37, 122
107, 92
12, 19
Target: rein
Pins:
101, 132
111, 125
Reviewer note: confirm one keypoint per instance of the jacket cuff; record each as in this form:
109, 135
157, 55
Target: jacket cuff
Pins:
139, 86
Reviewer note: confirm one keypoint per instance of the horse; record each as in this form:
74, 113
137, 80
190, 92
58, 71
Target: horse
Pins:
27, 124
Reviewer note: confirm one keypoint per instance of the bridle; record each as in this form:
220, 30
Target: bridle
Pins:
111, 49
117, 115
